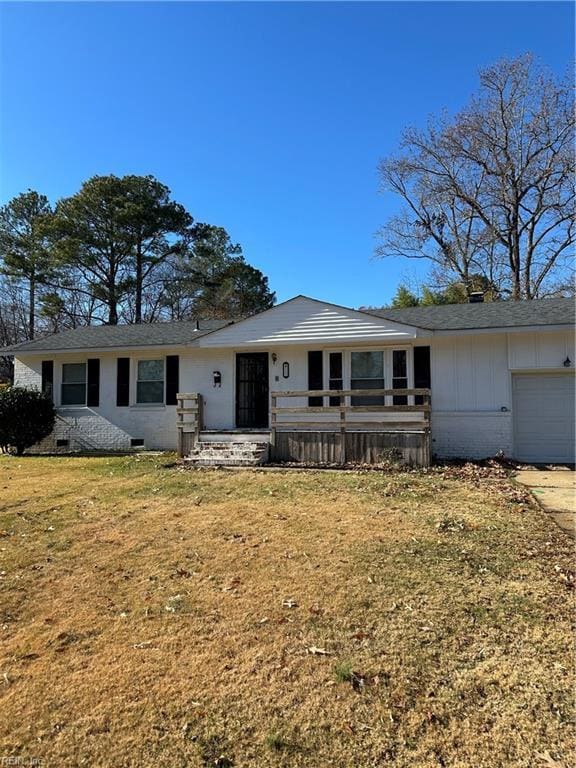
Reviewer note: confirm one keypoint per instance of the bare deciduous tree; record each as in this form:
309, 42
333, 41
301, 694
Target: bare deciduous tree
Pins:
491, 191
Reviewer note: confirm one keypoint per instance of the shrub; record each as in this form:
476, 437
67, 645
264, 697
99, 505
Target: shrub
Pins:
26, 416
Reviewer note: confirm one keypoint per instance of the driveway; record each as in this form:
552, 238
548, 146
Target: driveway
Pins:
556, 492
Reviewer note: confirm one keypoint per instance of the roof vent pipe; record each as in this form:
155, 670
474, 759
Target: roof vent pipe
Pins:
476, 297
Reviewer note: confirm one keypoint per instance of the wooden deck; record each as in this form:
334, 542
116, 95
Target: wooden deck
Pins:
347, 432
351, 433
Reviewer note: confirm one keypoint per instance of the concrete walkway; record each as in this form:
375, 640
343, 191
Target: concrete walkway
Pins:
556, 492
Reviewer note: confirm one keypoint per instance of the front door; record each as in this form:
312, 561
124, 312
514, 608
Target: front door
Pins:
252, 390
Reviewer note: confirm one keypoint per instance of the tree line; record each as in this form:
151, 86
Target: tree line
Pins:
487, 196
120, 250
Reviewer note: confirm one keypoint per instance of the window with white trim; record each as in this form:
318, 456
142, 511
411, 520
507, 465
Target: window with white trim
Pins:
150, 382
335, 375
73, 390
399, 375
367, 372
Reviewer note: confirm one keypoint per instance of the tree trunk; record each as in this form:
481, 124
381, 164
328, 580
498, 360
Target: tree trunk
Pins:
516, 284
31, 307
112, 306
138, 298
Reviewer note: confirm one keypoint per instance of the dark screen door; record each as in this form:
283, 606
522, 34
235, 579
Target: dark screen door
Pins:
252, 390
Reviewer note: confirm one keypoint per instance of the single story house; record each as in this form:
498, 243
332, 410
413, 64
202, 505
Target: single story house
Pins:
480, 378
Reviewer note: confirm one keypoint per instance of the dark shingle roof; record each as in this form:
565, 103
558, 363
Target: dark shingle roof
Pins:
448, 317
497, 314
111, 336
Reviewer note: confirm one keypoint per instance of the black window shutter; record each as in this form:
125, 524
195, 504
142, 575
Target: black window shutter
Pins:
48, 378
421, 371
93, 394
123, 381
315, 377
172, 378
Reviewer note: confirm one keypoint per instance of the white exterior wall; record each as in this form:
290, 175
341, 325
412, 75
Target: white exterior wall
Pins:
472, 387
106, 427
471, 379
196, 375
28, 372
539, 350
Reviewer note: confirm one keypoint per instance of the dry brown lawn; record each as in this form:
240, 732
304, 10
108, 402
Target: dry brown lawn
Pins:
153, 616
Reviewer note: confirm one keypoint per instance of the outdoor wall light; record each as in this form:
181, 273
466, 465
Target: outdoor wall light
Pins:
217, 376
274, 357
567, 363
286, 370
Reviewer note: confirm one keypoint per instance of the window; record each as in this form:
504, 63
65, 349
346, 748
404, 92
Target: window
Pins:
150, 381
367, 372
421, 371
48, 378
335, 380
123, 382
73, 384
315, 380
399, 375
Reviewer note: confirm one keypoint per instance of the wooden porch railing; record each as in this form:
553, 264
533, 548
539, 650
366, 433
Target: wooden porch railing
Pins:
340, 421
189, 413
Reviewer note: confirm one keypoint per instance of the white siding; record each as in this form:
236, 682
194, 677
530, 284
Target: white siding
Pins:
303, 320
470, 373
470, 386
542, 349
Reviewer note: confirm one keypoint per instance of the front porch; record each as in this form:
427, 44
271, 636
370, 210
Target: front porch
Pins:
320, 427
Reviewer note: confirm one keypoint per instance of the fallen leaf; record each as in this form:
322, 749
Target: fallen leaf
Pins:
318, 651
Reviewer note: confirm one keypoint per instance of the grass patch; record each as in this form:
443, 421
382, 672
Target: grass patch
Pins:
276, 742
153, 615
344, 672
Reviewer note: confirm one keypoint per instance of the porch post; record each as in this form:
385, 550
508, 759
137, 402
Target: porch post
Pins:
273, 421
342, 435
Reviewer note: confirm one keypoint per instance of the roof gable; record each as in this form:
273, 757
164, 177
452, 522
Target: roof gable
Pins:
304, 320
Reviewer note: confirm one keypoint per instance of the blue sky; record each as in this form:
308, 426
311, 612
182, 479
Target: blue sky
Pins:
265, 118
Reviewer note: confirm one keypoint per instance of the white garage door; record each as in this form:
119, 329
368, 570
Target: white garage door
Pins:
543, 407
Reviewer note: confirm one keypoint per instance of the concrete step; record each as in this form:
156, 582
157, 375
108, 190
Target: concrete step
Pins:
246, 453
237, 444
204, 461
